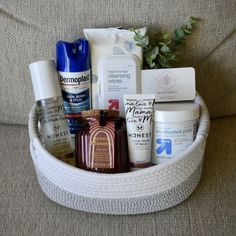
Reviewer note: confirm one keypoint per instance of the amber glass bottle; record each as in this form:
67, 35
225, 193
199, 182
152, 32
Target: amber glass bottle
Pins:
101, 142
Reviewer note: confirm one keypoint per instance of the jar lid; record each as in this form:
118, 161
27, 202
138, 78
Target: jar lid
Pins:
96, 113
176, 112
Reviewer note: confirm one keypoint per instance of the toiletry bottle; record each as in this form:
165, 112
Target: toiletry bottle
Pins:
73, 65
54, 128
139, 110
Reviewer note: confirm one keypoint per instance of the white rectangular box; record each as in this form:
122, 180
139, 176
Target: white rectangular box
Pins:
175, 84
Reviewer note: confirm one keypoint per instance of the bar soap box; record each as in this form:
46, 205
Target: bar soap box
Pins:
177, 84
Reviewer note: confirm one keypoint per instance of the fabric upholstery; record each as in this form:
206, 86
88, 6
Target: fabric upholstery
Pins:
29, 30
210, 210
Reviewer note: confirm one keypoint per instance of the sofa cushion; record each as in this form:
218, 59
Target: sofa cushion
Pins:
30, 29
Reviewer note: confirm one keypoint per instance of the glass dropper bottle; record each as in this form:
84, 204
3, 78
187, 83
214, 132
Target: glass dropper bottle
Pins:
54, 128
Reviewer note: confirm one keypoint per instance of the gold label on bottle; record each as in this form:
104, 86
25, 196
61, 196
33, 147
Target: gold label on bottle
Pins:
54, 129
102, 146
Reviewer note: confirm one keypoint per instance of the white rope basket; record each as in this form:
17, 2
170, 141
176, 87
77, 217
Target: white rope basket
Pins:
147, 190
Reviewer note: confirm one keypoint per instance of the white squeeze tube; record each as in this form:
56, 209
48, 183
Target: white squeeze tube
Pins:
139, 109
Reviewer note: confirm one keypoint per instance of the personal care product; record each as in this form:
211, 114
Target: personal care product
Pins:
175, 128
117, 75
54, 128
107, 42
73, 65
139, 121
101, 142
169, 85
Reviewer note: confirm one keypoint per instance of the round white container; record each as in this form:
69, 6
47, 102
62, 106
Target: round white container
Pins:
175, 128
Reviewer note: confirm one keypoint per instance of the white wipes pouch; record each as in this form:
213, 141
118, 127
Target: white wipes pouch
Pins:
107, 42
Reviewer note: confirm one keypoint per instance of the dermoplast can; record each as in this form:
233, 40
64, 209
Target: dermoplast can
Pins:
73, 65
175, 128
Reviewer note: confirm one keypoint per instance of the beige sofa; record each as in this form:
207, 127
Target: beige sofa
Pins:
28, 32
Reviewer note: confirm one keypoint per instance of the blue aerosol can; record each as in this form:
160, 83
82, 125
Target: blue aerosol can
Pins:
73, 65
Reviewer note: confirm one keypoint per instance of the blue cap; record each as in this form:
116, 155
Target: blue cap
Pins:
73, 56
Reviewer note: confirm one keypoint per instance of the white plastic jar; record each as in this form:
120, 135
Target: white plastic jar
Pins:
175, 128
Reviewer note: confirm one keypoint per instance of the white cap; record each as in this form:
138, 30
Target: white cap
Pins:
44, 79
176, 112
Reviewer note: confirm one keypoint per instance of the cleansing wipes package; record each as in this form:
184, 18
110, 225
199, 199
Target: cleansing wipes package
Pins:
118, 75
105, 45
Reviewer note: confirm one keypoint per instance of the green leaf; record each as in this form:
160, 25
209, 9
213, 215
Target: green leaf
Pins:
162, 59
154, 52
187, 32
188, 26
165, 49
151, 54
161, 54
140, 45
179, 33
152, 65
167, 66
150, 62
145, 40
148, 55
177, 41
193, 21
142, 40
137, 38
192, 18
164, 63
165, 44
166, 38
171, 57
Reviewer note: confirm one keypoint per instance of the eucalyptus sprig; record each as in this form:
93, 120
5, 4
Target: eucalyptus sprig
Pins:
162, 52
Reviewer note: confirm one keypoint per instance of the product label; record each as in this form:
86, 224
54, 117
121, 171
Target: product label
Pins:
117, 83
75, 91
101, 145
172, 139
117, 77
139, 120
54, 129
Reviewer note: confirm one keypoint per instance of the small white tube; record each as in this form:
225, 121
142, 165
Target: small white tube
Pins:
139, 110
